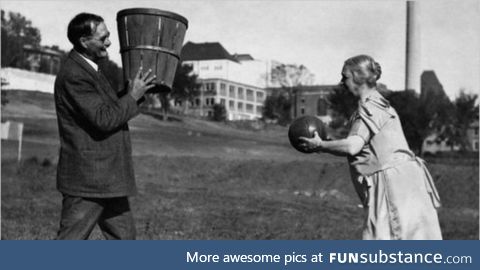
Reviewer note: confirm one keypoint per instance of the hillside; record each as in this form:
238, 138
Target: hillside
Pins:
204, 180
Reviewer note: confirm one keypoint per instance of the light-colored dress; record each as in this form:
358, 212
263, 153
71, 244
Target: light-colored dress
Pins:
394, 185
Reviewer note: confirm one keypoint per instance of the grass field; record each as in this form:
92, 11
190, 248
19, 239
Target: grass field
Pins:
205, 180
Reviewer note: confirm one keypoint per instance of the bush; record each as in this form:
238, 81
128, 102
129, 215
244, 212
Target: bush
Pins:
277, 107
219, 112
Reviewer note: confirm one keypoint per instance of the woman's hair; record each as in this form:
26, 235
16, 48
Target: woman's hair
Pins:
364, 70
82, 25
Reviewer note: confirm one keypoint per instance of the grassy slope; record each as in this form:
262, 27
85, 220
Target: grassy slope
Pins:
203, 180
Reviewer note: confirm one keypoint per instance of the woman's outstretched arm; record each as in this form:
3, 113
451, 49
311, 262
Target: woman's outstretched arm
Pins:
349, 146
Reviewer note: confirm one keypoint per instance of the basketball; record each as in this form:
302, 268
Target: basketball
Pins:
305, 126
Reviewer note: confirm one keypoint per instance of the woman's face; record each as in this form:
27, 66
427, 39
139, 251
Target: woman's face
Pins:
347, 81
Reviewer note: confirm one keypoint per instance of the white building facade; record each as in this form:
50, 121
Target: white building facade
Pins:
238, 83
241, 101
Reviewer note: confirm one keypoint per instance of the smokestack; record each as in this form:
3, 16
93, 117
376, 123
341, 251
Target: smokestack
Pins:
413, 47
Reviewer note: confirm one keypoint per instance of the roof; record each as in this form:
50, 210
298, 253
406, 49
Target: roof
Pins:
431, 88
309, 88
243, 57
42, 50
305, 89
429, 77
316, 88
205, 51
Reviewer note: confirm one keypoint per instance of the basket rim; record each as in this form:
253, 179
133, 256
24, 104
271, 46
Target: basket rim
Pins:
152, 11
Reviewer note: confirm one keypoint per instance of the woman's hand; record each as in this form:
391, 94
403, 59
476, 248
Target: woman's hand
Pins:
314, 143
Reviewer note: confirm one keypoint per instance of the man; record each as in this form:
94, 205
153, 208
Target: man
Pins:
95, 168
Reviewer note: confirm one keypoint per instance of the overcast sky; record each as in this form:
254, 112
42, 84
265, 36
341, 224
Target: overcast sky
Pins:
317, 34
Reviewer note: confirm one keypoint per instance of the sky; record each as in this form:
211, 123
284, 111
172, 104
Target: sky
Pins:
320, 35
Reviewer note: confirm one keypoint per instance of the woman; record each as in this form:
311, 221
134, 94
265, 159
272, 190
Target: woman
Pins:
394, 186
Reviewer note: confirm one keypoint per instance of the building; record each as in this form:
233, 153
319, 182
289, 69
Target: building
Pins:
237, 81
36, 71
433, 94
472, 136
311, 100
42, 59
212, 60
433, 145
431, 88
241, 101
21, 79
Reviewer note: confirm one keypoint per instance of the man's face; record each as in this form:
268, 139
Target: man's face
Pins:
96, 45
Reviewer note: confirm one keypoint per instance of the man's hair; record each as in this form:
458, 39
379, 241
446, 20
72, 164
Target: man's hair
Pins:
82, 25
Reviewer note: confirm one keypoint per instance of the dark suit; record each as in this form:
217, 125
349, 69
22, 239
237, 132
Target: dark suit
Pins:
95, 160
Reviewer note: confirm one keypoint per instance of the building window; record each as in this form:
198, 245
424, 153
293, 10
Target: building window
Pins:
259, 110
223, 89
249, 108
240, 93
321, 107
204, 68
250, 95
303, 100
240, 106
218, 67
209, 101
476, 131
476, 146
210, 86
231, 104
260, 96
222, 101
197, 102
231, 91
302, 111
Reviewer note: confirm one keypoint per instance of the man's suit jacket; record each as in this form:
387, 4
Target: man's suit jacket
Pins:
95, 149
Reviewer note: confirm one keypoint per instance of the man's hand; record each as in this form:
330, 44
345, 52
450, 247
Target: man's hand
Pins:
314, 143
141, 84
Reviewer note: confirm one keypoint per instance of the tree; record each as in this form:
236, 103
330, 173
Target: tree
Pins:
420, 117
4, 98
414, 119
439, 110
466, 112
185, 85
343, 102
219, 112
17, 31
164, 98
277, 107
289, 77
